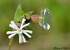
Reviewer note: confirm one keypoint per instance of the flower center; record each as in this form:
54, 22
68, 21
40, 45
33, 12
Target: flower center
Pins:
19, 31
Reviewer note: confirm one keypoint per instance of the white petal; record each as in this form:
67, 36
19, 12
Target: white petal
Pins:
20, 38
48, 26
11, 26
24, 40
44, 11
29, 31
27, 34
10, 36
14, 25
23, 20
44, 27
25, 25
11, 32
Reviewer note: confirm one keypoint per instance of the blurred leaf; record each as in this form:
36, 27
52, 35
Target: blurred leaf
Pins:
18, 13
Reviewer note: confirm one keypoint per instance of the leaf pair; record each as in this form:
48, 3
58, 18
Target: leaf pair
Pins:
19, 12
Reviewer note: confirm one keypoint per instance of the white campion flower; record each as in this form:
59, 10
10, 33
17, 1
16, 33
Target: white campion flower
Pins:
19, 31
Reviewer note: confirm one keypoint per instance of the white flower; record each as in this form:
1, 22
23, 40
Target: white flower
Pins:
19, 31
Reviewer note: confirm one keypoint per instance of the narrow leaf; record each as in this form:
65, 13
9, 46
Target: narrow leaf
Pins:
18, 13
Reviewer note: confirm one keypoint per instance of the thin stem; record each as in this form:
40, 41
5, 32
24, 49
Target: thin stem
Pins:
10, 43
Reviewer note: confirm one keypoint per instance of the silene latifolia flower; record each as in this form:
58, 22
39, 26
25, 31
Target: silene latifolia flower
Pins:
20, 31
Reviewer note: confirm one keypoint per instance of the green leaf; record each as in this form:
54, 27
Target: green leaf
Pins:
27, 15
18, 13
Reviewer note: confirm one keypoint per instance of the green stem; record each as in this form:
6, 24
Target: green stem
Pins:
10, 43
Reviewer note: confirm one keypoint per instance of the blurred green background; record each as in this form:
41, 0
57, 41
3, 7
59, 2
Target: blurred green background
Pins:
57, 36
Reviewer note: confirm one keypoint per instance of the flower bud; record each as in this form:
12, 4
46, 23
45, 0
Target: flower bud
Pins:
35, 18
